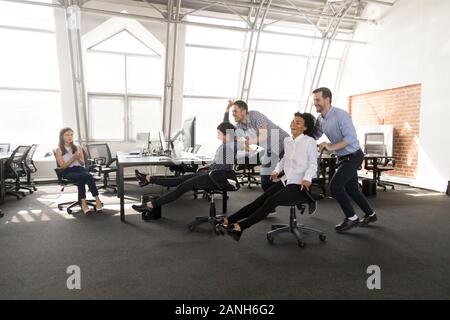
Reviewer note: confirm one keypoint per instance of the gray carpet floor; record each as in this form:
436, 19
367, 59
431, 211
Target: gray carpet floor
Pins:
164, 260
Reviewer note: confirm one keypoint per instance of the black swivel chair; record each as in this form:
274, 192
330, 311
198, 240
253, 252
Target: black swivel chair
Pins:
299, 231
66, 183
15, 170
99, 156
30, 168
246, 171
222, 185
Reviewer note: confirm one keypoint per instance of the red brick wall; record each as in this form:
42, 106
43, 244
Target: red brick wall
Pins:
399, 107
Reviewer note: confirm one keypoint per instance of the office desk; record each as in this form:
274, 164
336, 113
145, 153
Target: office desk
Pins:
124, 160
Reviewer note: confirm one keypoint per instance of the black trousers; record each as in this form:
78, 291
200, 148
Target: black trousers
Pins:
81, 177
344, 185
200, 180
276, 195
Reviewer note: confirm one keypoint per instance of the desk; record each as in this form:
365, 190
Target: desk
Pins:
125, 160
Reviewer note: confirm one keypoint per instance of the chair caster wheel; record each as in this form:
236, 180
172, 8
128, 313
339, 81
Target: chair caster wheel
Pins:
34, 188
270, 239
323, 237
301, 243
60, 208
69, 211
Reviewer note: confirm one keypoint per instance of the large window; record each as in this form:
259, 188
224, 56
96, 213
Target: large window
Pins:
284, 67
124, 80
30, 107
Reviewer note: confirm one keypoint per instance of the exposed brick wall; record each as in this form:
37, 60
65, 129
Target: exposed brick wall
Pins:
399, 107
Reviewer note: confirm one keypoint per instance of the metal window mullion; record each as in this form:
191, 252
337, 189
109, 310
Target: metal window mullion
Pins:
125, 103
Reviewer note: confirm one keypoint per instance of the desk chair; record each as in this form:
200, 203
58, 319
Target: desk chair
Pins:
299, 231
14, 170
382, 165
99, 156
30, 168
220, 187
63, 183
248, 173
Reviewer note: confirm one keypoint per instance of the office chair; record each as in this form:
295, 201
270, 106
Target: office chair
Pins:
299, 231
30, 168
374, 145
63, 183
247, 176
101, 161
14, 170
222, 185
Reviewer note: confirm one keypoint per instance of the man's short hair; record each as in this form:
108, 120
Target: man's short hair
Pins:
326, 93
310, 122
225, 126
241, 104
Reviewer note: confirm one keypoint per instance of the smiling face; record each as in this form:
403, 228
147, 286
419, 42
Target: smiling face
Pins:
297, 126
238, 113
322, 104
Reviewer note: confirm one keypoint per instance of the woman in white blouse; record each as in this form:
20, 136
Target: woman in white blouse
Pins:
299, 165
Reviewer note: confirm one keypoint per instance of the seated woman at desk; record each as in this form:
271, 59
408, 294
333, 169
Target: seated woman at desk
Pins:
70, 158
223, 160
299, 165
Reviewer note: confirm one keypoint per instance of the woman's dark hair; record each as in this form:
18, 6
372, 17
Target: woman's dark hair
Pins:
61, 141
224, 126
241, 104
310, 122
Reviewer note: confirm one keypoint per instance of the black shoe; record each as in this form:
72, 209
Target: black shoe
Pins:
140, 208
141, 178
151, 214
236, 235
367, 219
312, 207
347, 224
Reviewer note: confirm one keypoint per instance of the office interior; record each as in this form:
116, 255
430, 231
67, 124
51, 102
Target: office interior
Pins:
148, 81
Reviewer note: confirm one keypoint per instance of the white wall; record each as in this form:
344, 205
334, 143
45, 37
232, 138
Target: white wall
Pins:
411, 44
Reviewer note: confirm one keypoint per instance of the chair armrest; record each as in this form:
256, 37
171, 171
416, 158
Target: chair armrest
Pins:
217, 175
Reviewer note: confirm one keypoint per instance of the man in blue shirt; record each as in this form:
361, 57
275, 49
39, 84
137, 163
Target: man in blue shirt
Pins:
337, 125
258, 129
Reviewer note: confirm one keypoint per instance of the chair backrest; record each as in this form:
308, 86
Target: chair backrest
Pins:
58, 170
29, 163
374, 138
5, 147
99, 150
376, 149
196, 148
18, 156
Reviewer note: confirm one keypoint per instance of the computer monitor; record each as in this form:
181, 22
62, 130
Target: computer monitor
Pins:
142, 139
189, 133
162, 140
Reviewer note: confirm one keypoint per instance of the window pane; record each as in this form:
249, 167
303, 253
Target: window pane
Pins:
209, 113
329, 74
278, 77
215, 37
28, 60
29, 16
285, 44
105, 72
281, 113
106, 118
212, 72
145, 75
20, 112
145, 116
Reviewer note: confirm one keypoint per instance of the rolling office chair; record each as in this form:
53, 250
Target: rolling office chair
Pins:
374, 144
222, 185
299, 231
30, 168
99, 156
14, 170
248, 173
63, 183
